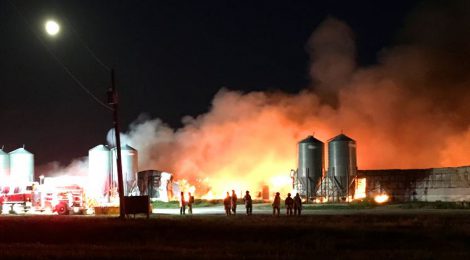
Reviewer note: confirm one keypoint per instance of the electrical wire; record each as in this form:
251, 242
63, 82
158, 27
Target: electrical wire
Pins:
86, 46
64, 67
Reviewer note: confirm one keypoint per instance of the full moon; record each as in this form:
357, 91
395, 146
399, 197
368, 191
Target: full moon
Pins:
52, 27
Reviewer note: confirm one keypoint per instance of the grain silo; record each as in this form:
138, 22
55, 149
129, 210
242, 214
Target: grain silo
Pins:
21, 166
310, 167
4, 167
99, 171
342, 165
129, 161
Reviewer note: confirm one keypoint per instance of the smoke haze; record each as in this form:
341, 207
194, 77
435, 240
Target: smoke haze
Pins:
409, 111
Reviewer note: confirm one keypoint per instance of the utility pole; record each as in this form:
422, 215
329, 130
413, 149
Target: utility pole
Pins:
113, 100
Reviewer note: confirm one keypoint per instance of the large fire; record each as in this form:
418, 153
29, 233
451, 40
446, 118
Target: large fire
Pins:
409, 111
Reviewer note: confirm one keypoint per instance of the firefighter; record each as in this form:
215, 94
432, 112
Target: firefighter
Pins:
182, 204
276, 204
248, 203
289, 203
297, 204
190, 203
227, 204
234, 202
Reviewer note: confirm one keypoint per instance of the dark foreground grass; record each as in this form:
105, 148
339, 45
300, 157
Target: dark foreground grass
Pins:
240, 237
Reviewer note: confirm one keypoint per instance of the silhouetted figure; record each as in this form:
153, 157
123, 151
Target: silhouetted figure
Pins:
190, 203
277, 204
248, 203
297, 204
289, 202
227, 204
234, 202
182, 204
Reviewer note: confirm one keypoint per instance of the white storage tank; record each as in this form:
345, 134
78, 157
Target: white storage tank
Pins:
4, 167
21, 166
99, 171
129, 158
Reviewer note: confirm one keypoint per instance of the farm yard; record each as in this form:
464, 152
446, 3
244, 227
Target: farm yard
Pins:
349, 233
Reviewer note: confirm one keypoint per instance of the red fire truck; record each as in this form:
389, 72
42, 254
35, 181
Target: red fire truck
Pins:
36, 198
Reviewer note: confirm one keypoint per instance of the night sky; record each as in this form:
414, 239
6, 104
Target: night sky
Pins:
170, 58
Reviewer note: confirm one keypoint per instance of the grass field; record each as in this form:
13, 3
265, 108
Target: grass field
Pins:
237, 237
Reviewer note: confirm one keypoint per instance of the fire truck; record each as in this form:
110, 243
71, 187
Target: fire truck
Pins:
39, 198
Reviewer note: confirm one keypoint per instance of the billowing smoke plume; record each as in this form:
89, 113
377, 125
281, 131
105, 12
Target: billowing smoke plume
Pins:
410, 111
332, 53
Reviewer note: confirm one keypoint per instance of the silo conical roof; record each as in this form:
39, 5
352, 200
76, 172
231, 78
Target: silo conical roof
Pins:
310, 139
100, 147
20, 151
341, 138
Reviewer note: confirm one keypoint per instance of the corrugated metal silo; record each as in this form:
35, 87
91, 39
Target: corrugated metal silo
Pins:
4, 167
310, 167
129, 158
21, 166
99, 171
342, 163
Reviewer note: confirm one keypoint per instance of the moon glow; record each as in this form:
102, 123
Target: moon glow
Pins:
52, 27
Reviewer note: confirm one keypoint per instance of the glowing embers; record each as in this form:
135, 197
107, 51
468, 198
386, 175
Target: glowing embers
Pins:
381, 198
360, 192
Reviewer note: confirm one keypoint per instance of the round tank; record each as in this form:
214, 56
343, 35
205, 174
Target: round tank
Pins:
4, 167
310, 167
129, 162
21, 166
342, 163
99, 171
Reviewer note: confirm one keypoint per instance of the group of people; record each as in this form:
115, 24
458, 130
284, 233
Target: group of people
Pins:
184, 203
230, 203
293, 205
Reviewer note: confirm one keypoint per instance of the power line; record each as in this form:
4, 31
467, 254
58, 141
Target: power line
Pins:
87, 47
64, 67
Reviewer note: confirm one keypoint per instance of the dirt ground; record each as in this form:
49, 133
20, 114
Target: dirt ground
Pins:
431, 235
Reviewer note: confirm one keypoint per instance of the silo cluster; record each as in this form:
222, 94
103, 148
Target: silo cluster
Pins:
342, 167
102, 170
16, 167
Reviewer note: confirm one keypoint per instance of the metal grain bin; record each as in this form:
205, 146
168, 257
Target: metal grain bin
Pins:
310, 167
129, 158
4, 167
99, 171
342, 165
21, 166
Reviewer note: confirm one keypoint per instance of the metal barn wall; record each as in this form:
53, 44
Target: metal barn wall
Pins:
437, 184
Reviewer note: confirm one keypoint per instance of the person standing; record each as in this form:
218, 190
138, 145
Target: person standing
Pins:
277, 204
234, 202
248, 203
297, 204
190, 203
289, 202
182, 204
227, 204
